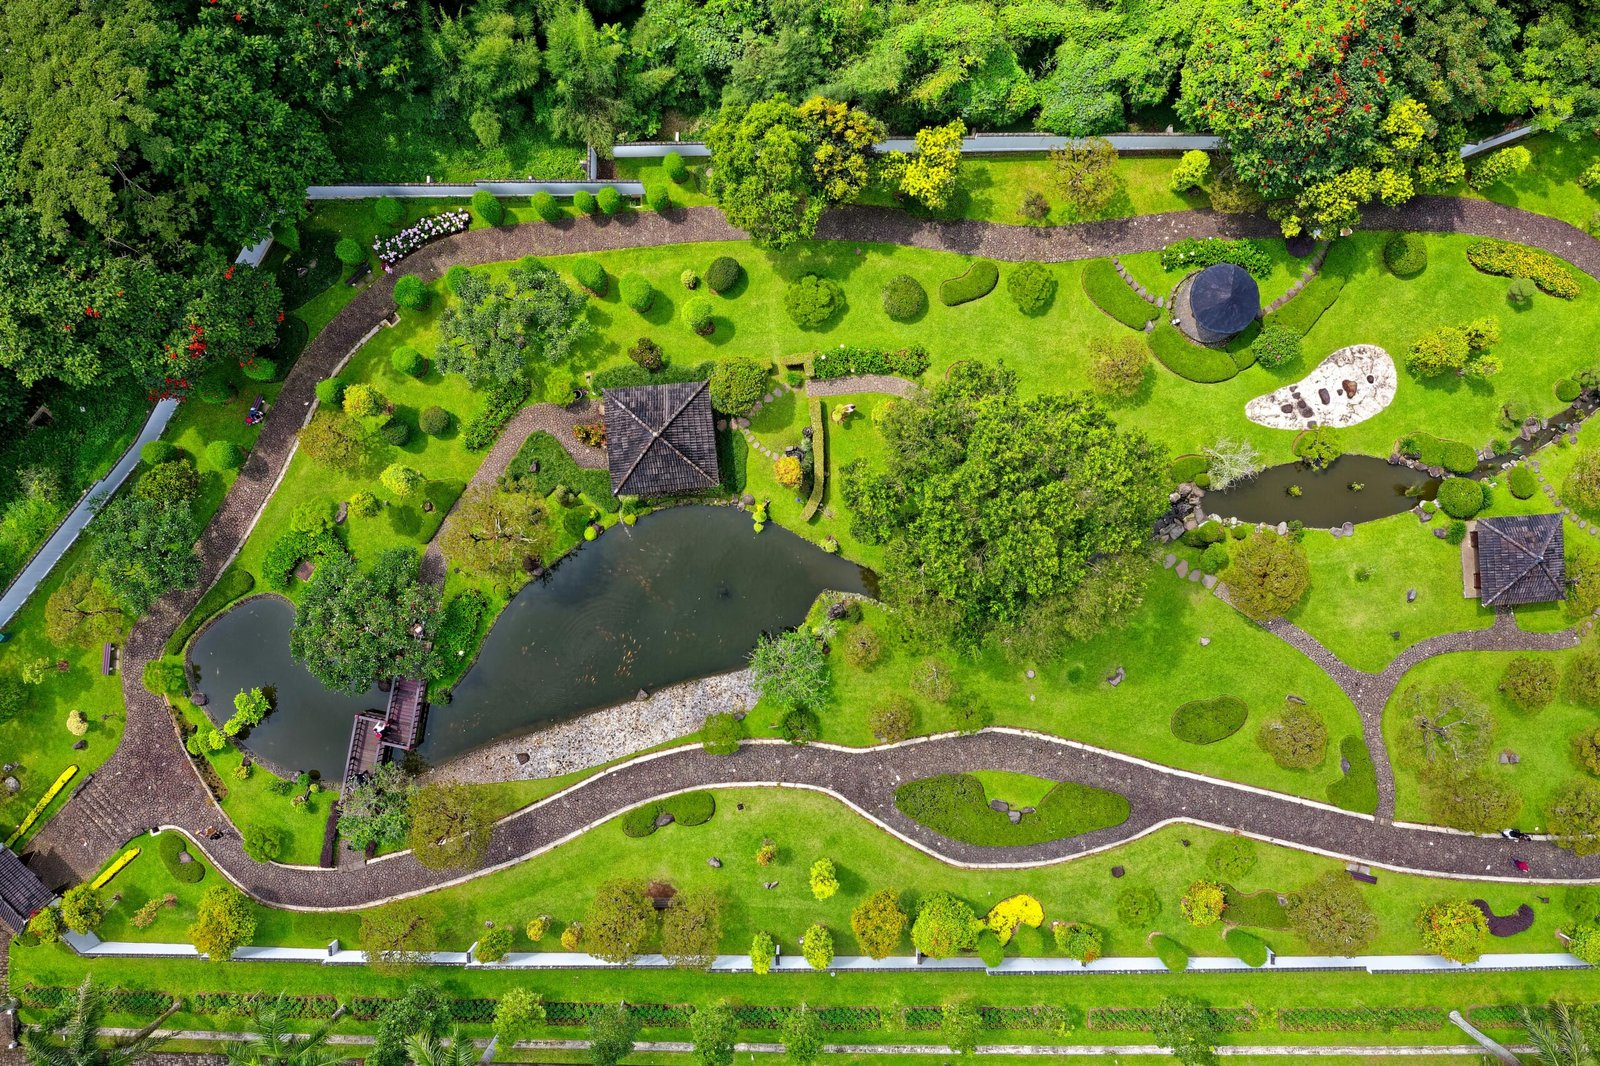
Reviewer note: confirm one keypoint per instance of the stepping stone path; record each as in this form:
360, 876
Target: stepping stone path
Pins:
1312, 270
1147, 297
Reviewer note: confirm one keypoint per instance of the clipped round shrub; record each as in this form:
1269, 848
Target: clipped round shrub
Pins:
723, 274
817, 947
260, 368
800, 727
697, 316
225, 455
736, 385
1137, 907
689, 279
487, 206
904, 298
1458, 457
433, 420
1232, 857
675, 168
455, 277
891, 720
1214, 559
812, 301
363, 401
636, 292
411, 292
1032, 286
77, 723
406, 360
330, 390
591, 275
388, 211
401, 480
583, 202
364, 504
1520, 292
657, 197
494, 945
395, 432
1460, 497
157, 452
214, 386
1522, 482
1202, 904
1208, 721
1568, 390
1405, 255
1276, 346
862, 647
544, 205
349, 252
609, 200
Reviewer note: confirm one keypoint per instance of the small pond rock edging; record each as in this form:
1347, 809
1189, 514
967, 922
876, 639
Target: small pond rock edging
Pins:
603, 736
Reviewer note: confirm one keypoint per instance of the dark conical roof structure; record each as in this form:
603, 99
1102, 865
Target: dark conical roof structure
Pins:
1224, 299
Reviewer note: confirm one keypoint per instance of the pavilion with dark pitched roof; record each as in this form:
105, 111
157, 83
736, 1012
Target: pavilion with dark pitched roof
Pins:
661, 440
22, 894
1515, 559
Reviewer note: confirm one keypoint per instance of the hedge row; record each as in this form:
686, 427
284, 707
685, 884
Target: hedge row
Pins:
819, 460
839, 362
1359, 1019
1198, 253
690, 808
1191, 361
955, 805
1208, 721
244, 1004
1107, 291
1143, 1019
1357, 790
139, 1002
1507, 260
979, 281
1302, 312
505, 400
1456, 456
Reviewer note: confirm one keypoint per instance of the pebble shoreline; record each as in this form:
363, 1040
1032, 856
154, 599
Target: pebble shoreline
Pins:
602, 736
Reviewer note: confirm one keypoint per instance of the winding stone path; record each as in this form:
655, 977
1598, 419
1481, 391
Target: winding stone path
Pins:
149, 780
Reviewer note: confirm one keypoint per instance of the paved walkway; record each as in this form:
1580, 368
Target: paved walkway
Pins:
148, 781
45, 559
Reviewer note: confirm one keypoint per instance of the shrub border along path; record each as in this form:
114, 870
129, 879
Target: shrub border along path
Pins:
149, 781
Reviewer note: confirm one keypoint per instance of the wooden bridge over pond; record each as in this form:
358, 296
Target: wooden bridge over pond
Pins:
372, 738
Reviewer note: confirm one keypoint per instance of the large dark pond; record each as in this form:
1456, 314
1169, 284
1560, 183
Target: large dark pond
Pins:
682, 594
1326, 498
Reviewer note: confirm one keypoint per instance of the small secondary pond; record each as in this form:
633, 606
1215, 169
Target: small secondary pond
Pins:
681, 595
1325, 499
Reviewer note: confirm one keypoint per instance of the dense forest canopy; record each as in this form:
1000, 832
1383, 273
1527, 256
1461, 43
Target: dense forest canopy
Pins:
142, 142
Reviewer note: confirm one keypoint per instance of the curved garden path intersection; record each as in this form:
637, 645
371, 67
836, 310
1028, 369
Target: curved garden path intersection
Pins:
149, 781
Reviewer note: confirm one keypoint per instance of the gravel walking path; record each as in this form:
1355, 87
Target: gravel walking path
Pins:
149, 780
888, 384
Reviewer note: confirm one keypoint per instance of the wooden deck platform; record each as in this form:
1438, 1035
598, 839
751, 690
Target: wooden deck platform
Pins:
402, 719
366, 750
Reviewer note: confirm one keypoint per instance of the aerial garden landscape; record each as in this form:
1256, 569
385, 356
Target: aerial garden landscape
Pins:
799, 532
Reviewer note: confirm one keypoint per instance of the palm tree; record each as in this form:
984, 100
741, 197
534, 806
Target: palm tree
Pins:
275, 1043
78, 1022
429, 1050
1560, 1040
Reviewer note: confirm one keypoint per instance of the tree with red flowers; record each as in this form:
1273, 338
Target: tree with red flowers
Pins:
232, 317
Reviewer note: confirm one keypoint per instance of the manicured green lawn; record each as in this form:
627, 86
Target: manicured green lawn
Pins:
806, 827
145, 879
1541, 741
1359, 585
1549, 186
1165, 666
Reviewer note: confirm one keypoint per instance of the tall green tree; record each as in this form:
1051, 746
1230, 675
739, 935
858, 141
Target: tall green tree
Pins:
493, 332
353, 627
714, 1031
450, 826
590, 99
486, 58
143, 548
493, 533
1185, 1028
420, 1010
612, 1030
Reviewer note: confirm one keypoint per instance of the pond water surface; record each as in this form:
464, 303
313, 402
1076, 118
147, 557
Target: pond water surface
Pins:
1326, 499
681, 595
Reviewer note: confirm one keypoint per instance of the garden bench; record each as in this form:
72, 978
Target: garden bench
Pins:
108, 659
1362, 873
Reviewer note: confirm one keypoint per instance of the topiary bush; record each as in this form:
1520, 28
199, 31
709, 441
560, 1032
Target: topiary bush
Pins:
636, 292
675, 168
979, 281
1405, 254
395, 431
488, 207
349, 252
1173, 955
609, 200
156, 452
406, 360
1458, 457
591, 275
583, 202
1568, 390
736, 385
1032, 286
723, 274
388, 211
956, 806
1208, 721
433, 421
260, 368
545, 206
1276, 347
1460, 497
1246, 947
225, 454
812, 301
1522, 482
657, 197
411, 293
698, 317
904, 298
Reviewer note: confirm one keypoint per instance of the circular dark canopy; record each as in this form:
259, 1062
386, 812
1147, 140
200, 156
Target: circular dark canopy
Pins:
1224, 299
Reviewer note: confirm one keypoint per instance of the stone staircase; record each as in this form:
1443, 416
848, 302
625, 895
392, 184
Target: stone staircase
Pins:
93, 825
